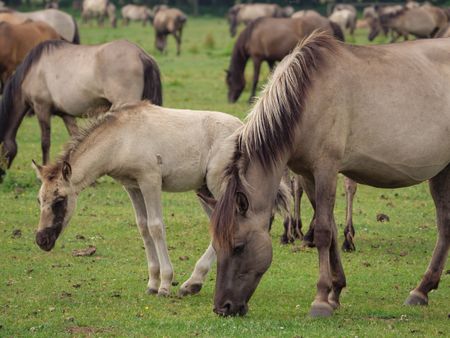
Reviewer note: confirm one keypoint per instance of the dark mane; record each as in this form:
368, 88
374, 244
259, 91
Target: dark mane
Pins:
269, 129
240, 55
51, 171
13, 86
223, 218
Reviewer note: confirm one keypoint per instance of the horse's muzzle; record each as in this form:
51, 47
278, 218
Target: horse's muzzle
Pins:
231, 309
46, 238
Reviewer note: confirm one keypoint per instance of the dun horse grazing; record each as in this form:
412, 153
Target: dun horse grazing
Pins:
99, 9
17, 40
168, 21
136, 13
71, 81
404, 143
269, 39
181, 156
345, 17
63, 23
246, 13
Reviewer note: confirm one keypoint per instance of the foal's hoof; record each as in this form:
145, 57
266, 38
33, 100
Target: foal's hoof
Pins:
416, 298
320, 310
152, 291
190, 289
348, 246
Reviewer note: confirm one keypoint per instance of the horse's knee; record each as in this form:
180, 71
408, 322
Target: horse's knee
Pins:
322, 236
156, 230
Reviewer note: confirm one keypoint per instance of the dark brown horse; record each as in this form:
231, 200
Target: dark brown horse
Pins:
60, 78
269, 39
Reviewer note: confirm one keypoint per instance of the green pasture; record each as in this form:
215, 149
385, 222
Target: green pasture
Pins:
55, 294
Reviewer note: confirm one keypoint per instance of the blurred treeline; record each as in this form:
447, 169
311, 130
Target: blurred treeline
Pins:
213, 7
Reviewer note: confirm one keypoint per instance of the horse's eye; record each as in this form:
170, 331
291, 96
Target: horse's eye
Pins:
238, 249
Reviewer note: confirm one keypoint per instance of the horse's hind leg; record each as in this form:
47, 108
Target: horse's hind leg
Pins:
308, 186
43, 115
349, 231
152, 258
151, 190
298, 193
440, 189
288, 234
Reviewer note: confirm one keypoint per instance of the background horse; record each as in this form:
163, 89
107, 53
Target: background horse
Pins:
99, 9
269, 39
131, 146
136, 13
72, 81
246, 13
326, 117
17, 40
63, 23
168, 21
345, 16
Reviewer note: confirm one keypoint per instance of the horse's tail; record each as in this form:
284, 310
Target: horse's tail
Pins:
337, 31
152, 80
76, 35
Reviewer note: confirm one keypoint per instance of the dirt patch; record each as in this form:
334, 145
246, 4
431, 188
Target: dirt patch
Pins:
86, 330
89, 251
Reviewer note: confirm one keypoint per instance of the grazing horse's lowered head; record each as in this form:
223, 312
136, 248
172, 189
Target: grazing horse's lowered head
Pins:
57, 202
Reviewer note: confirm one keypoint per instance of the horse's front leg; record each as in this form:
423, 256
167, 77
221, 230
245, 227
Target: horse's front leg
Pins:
195, 282
330, 269
349, 230
256, 69
43, 115
151, 190
439, 187
152, 257
71, 124
308, 187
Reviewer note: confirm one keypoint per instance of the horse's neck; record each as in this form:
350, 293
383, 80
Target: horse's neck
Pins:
11, 116
239, 58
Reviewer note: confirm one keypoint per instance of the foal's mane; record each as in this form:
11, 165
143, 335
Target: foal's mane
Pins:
52, 171
269, 129
14, 84
270, 125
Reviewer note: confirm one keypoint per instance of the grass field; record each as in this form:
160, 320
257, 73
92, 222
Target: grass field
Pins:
55, 294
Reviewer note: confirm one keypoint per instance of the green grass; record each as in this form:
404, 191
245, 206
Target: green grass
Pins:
55, 294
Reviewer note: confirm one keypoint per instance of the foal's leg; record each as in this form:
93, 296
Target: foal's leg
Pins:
440, 189
71, 124
152, 257
256, 69
43, 115
325, 188
151, 190
349, 230
195, 282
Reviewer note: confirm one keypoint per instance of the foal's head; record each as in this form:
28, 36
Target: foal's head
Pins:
57, 202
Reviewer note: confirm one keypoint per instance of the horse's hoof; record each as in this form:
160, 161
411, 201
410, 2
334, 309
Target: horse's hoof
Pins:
163, 293
348, 246
152, 291
190, 289
334, 304
321, 310
308, 244
284, 240
416, 298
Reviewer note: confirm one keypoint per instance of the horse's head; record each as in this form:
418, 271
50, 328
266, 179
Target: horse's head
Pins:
240, 225
235, 83
57, 202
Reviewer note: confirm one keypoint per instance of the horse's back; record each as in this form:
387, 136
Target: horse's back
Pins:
60, 21
395, 124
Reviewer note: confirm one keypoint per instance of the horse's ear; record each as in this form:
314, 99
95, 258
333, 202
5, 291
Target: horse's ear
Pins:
66, 171
241, 202
38, 169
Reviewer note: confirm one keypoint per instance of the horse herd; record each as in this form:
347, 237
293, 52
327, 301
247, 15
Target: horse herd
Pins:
377, 114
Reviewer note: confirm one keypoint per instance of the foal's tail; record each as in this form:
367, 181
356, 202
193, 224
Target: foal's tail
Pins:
337, 31
152, 80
